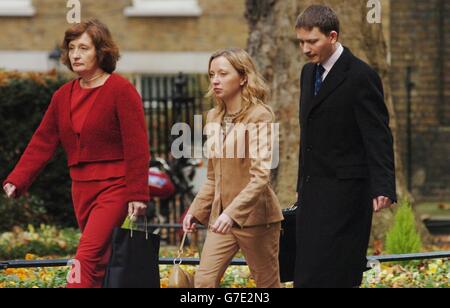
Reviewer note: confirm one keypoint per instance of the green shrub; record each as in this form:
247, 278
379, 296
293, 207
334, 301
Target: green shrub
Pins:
41, 241
403, 237
24, 99
21, 212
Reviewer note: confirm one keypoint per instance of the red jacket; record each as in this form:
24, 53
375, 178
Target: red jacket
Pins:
114, 129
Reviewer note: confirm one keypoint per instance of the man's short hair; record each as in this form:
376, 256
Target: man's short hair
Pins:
320, 16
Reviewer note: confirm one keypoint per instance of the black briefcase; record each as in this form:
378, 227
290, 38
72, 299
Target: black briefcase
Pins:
288, 244
134, 261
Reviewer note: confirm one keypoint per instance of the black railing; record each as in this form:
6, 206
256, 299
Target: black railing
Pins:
168, 100
171, 99
240, 262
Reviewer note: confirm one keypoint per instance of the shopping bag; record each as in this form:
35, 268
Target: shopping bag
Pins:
134, 261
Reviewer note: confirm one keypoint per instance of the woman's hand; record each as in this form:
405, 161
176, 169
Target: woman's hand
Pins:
10, 190
223, 224
189, 223
136, 208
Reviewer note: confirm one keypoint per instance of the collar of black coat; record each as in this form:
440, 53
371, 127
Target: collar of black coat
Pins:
335, 78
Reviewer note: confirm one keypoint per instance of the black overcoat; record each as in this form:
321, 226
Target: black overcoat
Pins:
346, 160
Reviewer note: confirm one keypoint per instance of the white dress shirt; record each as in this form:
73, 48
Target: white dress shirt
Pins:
328, 64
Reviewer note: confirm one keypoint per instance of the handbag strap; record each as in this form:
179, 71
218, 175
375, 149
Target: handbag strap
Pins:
132, 222
180, 251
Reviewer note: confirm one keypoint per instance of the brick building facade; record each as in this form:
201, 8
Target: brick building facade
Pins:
420, 39
152, 35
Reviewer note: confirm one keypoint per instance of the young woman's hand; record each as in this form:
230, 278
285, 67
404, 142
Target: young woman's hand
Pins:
189, 223
10, 190
223, 224
136, 208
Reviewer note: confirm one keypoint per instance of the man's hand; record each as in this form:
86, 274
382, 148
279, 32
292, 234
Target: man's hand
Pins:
10, 190
223, 224
136, 208
381, 203
189, 223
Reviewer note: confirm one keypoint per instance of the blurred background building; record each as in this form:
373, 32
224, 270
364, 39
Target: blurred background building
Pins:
160, 38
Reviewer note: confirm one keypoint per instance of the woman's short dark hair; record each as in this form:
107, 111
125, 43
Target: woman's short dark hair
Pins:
320, 16
107, 51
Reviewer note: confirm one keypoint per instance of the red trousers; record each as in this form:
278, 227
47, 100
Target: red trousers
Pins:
100, 206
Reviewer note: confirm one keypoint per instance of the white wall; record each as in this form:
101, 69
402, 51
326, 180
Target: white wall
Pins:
131, 62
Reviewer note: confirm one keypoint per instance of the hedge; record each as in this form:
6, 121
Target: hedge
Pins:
24, 98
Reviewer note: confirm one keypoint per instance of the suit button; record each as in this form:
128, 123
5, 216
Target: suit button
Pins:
308, 179
309, 149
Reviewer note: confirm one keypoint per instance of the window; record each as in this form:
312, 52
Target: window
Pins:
16, 8
164, 8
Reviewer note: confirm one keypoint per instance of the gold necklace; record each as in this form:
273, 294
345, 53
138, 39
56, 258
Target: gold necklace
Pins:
232, 115
227, 122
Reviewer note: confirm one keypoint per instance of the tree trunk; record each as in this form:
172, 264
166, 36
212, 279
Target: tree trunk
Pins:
272, 43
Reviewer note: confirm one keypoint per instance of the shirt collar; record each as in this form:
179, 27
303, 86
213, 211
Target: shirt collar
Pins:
328, 64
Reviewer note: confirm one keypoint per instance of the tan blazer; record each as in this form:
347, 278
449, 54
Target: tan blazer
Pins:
239, 186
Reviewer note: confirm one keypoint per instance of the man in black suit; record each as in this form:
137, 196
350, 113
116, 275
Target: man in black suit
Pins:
346, 164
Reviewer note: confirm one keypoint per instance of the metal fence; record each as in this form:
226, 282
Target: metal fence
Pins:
170, 99
240, 262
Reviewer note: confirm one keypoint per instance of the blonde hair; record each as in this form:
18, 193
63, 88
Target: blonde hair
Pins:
255, 90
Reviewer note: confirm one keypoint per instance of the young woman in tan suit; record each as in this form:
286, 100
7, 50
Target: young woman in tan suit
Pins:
237, 202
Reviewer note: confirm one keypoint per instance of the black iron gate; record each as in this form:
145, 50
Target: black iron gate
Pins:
170, 99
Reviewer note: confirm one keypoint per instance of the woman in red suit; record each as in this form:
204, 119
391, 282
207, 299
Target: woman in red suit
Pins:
98, 119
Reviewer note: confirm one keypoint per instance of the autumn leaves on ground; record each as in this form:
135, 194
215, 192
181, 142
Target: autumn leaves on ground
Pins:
55, 244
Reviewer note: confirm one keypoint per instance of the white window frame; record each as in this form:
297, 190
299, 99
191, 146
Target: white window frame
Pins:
163, 8
136, 62
17, 8
131, 62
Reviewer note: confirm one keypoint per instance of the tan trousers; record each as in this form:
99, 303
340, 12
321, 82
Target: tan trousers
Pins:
259, 245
